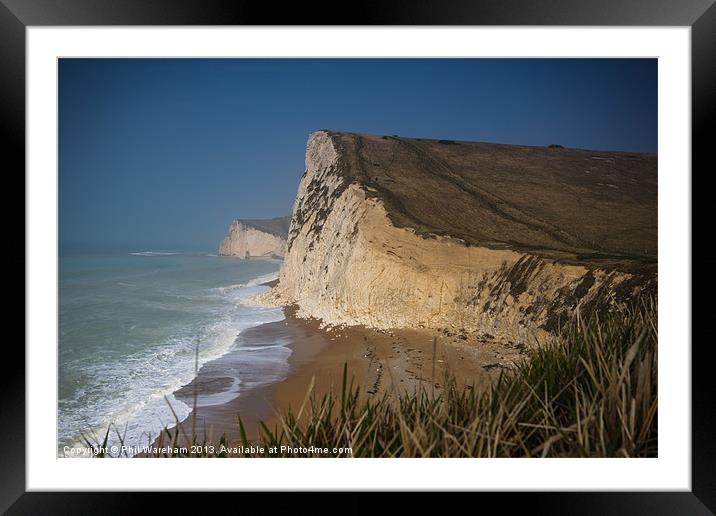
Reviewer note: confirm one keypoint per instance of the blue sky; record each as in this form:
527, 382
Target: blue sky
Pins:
164, 153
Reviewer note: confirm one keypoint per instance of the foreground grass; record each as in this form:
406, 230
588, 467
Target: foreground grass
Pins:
592, 393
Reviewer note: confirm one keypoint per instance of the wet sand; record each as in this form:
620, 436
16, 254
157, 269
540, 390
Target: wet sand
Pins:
378, 361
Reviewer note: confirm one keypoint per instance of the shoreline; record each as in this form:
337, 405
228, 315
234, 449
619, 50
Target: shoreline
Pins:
380, 362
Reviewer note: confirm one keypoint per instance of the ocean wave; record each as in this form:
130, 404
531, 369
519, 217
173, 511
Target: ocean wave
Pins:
132, 387
260, 280
153, 253
148, 380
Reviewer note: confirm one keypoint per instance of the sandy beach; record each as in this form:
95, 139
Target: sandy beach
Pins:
378, 361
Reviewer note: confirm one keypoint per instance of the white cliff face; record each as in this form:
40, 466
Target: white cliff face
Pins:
346, 263
248, 242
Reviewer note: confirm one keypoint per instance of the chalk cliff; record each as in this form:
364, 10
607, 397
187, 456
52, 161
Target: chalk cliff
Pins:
251, 238
503, 240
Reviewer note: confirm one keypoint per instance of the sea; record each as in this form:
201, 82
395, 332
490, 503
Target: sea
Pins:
130, 324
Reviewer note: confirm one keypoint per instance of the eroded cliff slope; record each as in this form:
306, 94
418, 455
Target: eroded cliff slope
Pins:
252, 238
503, 240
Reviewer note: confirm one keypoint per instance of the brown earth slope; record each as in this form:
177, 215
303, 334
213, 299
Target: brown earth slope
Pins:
277, 226
571, 204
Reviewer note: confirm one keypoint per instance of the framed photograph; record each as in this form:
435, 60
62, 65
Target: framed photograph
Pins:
425, 249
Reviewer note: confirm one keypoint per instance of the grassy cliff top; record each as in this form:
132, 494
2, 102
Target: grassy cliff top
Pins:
575, 205
277, 226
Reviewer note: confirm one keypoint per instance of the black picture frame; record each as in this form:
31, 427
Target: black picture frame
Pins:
700, 15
